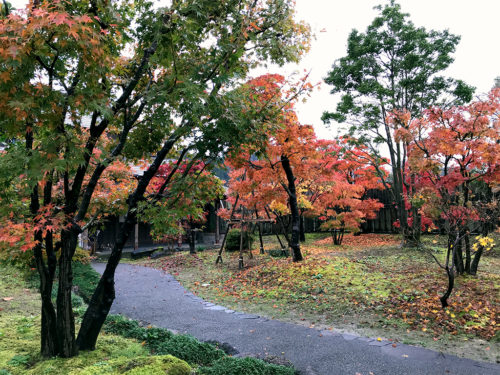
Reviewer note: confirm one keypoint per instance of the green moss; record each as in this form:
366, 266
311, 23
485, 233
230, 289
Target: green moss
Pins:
157, 365
244, 366
161, 341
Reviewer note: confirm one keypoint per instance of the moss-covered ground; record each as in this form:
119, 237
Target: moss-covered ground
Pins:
369, 285
20, 334
123, 347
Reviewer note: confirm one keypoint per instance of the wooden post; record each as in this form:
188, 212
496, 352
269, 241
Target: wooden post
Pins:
276, 233
260, 238
179, 239
260, 231
217, 224
219, 256
240, 260
136, 239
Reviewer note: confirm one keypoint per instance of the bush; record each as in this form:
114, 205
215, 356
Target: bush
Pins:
26, 260
82, 256
122, 326
244, 366
85, 278
190, 350
161, 341
233, 240
16, 257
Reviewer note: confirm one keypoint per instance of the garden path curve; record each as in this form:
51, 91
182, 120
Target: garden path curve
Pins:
155, 297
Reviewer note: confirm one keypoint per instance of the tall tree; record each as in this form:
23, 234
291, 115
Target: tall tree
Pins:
393, 67
153, 81
279, 158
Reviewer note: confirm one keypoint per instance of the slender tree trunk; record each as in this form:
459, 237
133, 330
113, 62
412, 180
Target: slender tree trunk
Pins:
475, 262
468, 257
302, 233
104, 295
294, 209
451, 282
49, 338
192, 238
458, 258
416, 227
260, 239
338, 236
65, 317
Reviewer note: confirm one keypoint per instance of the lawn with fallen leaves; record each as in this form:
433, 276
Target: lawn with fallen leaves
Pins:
369, 280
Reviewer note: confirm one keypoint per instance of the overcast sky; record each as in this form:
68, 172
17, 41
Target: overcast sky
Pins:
477, 59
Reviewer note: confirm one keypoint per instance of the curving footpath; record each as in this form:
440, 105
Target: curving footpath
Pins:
155, 297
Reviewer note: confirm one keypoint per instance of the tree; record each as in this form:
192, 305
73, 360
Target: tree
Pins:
393, 66
280, 157
154, 81
177, 197
454, 152
342, 205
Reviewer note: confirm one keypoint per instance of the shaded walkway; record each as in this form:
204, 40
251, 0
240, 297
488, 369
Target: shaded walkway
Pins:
155, 297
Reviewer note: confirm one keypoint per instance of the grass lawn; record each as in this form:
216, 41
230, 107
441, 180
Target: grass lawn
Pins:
369, 285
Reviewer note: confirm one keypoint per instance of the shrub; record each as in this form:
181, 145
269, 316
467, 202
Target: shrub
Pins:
16, 257
233, 240
122, 326
85, 278
161, 341
82, 256
189, 349
244, 366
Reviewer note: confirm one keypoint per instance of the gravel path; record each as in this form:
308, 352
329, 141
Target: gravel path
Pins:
155, 297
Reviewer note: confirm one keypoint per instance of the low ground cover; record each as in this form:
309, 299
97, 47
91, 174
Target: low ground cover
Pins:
124, 346
368, 285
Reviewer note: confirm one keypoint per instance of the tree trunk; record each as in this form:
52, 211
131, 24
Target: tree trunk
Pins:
458, 258
475, 261
451, 282
302, 233
468, 258
49, 338
338, 236
260, 239
416, 227
192, 238
104, 295
294, 209
65, 317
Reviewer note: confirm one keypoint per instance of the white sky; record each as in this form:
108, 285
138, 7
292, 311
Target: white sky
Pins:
477, 59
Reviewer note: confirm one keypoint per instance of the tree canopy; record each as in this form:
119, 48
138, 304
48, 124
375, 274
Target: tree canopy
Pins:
393, 66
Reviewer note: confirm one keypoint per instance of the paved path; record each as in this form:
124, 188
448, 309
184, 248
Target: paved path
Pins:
157, 298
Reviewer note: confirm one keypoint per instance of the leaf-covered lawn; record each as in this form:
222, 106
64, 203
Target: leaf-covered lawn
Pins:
368, 276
